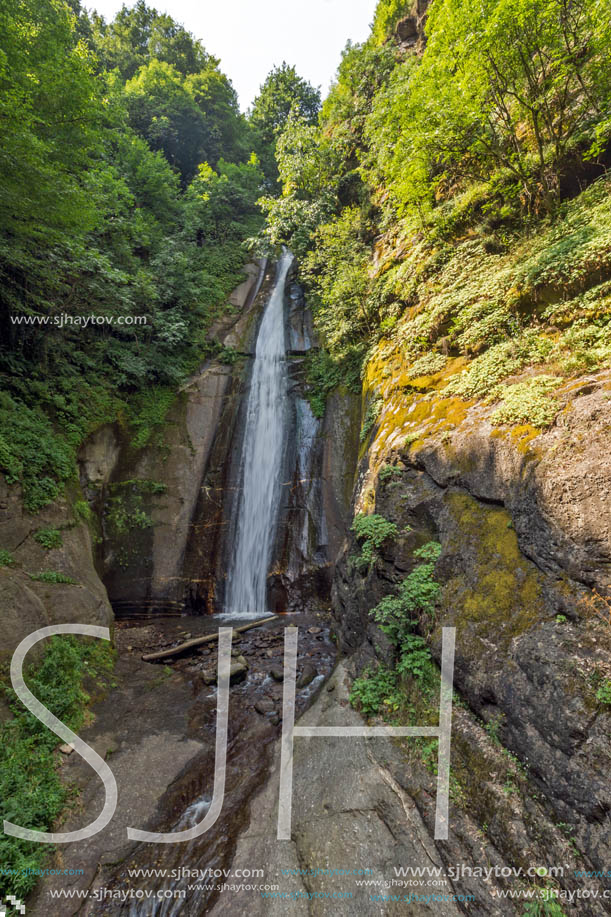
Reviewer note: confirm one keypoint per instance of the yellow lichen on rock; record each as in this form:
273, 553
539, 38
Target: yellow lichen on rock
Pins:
499, 596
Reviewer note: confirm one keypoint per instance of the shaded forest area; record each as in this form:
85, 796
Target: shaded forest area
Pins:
128, 183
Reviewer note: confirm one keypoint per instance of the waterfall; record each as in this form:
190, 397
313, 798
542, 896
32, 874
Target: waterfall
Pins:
261, 462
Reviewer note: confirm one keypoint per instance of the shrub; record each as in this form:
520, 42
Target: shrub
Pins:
528, 402
6, 558
388, 472
497, 363
30, 788
418, 592
373, 531
603, 695
374, 690
323, 374
428, 365
49, 538
83, 510
371, 415
32, 453
53, 576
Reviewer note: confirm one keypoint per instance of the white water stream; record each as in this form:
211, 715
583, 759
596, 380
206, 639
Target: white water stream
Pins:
261, 464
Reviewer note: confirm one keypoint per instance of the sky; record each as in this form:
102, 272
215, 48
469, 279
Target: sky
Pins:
252, 36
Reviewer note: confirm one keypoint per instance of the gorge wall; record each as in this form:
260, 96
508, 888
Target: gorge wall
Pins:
522, 517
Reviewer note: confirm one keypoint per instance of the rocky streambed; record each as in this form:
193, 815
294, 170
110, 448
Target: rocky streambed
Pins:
156, 729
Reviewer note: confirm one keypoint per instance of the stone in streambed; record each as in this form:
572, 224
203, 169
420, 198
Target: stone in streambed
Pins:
307, 676
265, 706
237, 672
277, 673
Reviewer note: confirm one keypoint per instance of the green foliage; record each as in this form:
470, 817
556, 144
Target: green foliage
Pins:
336, 273
418, 592
32, 453
415, 659
6, 558
485, 100
388, 472
493, 726
83, 510
603, 694
283, 92
383, 690
148, 414
322, 376
140, 34
527, 402
129, 504
30, 788
498, 362
387, 14
376, 691
96, 221
372, 531
53, 576
49, 538
371, 415
428, 365
545, 908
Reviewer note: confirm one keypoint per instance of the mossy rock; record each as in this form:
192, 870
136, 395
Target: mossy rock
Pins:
494, 592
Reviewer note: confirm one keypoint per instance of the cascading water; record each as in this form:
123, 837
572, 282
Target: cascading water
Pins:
261, 464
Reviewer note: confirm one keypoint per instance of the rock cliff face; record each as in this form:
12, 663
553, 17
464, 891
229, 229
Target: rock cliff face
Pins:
167, 511
29, 603
523, 522
160, 507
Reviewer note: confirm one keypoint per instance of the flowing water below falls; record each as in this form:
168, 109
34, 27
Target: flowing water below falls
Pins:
261, 462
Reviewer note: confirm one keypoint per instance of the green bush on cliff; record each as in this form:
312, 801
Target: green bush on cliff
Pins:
603, 694
371, 415
372, 530
323, 374
49, 538
381, 690
528, 402
31, 791
53, 576
6, 558
419, 591
376, 691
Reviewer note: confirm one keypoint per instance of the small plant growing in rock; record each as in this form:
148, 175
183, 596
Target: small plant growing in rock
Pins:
603, 694
528, 402
49, 538
372, 531
371, 415
374, 690
6, 558
492, 727
410, 439
82, 510
561, 619
547, 908
52, 576
428, 365
389, 471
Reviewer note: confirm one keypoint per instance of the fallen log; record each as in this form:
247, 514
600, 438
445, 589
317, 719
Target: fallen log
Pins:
198, 641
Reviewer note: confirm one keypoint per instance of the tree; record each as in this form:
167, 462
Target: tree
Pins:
139, 35
387, 15
282, 92
505, 88
52, 112
164, 112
